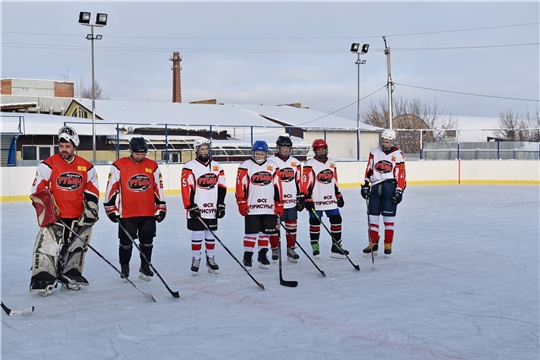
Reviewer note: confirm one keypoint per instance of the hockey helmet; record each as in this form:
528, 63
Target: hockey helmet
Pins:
201, 142
259, 145
67, 133
284, 141
138, 144
388, 134
319, 143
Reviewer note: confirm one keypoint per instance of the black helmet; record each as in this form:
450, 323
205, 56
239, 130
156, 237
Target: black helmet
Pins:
284, 141
138, 144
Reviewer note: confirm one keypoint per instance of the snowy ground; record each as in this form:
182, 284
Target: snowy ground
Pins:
462, 283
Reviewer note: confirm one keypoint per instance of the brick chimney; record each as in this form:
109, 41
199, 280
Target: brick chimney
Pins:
176, 92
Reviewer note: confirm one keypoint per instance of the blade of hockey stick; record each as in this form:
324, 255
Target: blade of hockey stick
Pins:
14, 313
288, 283
304, 251
175, 294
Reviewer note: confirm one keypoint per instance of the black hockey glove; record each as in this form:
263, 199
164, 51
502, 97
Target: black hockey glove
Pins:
309, 204
160, 211
398, 195
194, 211
365, 190
300, 202
340, 201
220, 212
90, 214
112, 213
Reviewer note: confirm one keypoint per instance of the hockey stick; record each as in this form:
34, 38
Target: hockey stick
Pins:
369, 234
107, 261
301, 248
230, 253
22, 312
288, 283
334, 239
173, 293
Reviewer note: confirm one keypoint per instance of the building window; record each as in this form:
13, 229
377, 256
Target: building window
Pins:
33, 152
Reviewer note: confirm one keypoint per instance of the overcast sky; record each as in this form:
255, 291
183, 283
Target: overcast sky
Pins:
285, 52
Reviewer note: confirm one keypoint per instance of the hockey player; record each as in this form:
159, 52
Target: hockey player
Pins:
290, 172
58, 253
386, 172
259, 198
321, 190
134, 197
203, 193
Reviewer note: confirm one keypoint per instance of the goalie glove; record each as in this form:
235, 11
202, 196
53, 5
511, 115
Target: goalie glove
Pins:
112, 212
46, 209
90, 214
160, 211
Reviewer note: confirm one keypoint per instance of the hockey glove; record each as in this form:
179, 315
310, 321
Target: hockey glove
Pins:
365, 190
398, 195
194, 211
90, 214
340, 201
160, 211
243, 207
309, 204
112, 213
279, 208
300, 202
220, 212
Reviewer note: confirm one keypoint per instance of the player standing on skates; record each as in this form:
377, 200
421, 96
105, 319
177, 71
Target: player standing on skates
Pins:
134, 198
386, 172
58, 253
259, 199
321, 190
291, 173
203, 183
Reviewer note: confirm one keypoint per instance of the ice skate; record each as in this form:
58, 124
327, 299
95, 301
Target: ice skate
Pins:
387, 249
371, 247
275, 254
145, 273
248, 259
262, 259
125, 271
339, 252
47, 290
292, 256
315, 248
195, 264
211, 265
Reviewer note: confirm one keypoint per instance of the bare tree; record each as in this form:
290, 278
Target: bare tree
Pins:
517, 126
410, 117
86, 92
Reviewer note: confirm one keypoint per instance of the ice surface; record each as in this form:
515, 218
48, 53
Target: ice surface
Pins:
462, 283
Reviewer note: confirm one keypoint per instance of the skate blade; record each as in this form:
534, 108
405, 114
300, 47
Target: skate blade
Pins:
144, 277
369, 254
214, 272
338, 256
292, 260
262, 266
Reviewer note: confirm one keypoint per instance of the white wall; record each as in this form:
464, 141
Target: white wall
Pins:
16, 181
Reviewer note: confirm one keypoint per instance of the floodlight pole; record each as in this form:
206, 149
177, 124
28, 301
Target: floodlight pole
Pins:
355, 48
389, 84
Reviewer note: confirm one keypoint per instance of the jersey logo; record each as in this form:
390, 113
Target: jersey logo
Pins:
287, 175
383, 166
393, 158
69, 181
139, 183
215, 168
81, 168
261, 178
332, 165
270, 168
293, 163
148, 170
207, 181
325, 176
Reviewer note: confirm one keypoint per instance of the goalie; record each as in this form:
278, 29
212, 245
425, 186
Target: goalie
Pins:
65, 194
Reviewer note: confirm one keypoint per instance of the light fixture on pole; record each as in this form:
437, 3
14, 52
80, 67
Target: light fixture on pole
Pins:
101, 20
354, 49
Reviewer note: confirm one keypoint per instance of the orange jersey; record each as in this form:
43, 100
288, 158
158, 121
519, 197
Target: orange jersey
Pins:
139, 186
68, 182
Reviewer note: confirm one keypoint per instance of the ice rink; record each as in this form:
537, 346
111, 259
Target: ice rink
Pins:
462, 283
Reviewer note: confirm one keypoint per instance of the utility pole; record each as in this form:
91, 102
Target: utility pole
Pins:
389, 84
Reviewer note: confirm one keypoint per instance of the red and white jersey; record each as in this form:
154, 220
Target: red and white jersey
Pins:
259, 185
385, 166
200, 184
320, 183
291, 173
139, 187
68, 182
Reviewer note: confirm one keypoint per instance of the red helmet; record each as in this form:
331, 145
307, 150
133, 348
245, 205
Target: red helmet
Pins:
319, 143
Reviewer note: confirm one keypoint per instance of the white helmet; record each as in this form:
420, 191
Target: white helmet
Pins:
69, 134
388, 135
200, 142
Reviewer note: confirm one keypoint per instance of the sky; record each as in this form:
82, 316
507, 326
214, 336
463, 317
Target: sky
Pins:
462, 283
469, 58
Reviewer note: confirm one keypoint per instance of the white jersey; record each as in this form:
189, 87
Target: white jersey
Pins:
257, 184
386, 165
200, 185
290, 173
320, 183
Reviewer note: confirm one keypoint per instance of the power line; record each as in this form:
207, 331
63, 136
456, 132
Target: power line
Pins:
470, 94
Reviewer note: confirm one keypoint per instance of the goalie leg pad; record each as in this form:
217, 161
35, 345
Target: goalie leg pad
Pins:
75, 255
45, 259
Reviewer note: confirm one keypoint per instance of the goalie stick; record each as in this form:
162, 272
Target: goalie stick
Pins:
173, 293
288, 283
107, 261
304, 251
356, 267
230, 253
22, 312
